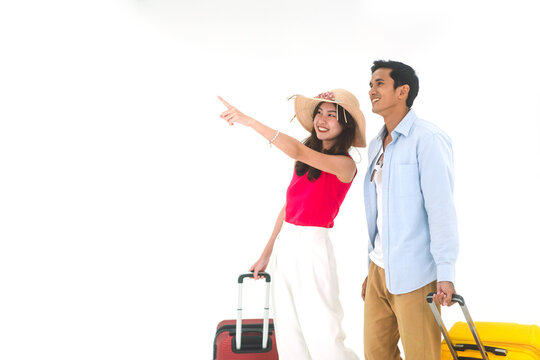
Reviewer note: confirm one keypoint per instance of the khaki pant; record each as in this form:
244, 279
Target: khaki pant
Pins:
388, 317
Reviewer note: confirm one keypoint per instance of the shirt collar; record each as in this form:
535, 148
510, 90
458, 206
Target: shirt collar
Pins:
406, 123
382, 133
403, 127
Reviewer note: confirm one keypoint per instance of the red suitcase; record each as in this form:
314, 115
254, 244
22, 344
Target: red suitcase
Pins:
250, 339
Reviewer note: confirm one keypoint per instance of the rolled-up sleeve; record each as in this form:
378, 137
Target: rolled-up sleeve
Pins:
436, 167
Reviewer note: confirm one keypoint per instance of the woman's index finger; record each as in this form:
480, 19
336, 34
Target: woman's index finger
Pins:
224, 102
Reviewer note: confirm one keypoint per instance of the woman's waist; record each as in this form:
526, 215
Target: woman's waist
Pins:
305, 229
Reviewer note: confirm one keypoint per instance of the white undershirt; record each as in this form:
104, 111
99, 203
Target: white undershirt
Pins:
376, 255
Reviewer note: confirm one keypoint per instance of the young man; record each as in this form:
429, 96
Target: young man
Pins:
413, 239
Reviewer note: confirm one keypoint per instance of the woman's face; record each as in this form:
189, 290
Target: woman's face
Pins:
326, 124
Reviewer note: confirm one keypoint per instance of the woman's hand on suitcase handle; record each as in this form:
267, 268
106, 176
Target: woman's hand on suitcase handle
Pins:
445, 290
259, 266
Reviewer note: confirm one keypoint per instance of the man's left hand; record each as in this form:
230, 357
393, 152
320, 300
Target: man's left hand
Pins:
445, 290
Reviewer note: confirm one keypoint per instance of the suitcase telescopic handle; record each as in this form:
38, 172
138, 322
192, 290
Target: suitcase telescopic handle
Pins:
266, 309
459, 299
251, 275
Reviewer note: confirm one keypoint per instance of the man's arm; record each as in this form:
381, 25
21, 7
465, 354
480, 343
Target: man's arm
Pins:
436, 166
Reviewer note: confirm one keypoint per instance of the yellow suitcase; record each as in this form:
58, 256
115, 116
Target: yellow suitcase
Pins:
486, 340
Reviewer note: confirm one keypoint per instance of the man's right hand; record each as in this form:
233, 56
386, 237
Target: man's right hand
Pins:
364, 285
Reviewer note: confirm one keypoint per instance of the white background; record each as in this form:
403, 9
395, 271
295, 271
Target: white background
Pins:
128, 207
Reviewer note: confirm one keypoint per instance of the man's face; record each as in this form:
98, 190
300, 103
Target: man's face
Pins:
384, 98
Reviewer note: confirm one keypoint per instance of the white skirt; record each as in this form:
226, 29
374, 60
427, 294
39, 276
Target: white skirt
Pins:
305, 293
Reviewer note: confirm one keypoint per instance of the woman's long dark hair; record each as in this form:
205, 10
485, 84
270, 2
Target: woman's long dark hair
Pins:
343, 142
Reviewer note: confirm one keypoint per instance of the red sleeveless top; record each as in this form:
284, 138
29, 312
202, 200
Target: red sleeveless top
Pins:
315, 203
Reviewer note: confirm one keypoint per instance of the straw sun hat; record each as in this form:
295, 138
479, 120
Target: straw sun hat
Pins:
304, 107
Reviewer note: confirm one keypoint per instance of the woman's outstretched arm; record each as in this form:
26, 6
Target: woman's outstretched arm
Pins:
340, 165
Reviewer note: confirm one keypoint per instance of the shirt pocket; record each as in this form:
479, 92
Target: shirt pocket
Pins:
408, 179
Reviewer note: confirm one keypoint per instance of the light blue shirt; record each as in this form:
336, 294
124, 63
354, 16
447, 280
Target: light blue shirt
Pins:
419, 225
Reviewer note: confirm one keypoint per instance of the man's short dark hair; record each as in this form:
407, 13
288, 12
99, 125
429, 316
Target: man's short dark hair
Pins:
402, 74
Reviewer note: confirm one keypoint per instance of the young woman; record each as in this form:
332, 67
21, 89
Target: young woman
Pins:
307, 310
